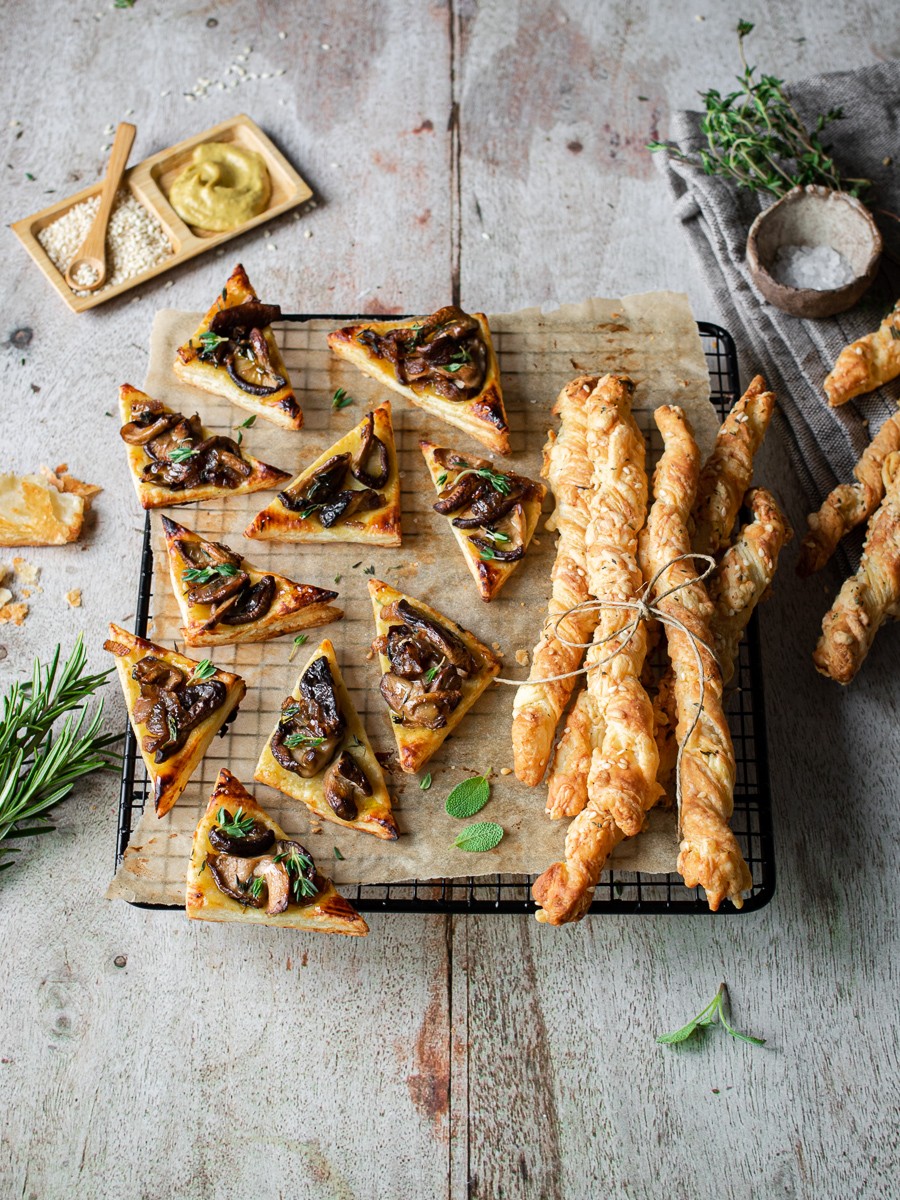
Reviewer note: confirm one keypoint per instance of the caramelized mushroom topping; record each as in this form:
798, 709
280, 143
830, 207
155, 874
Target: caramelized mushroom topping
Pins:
445, 353
370, 445
241, 318
180, 457
325, 496
170, 706
310, 729
252, 604
255, 837
342, 780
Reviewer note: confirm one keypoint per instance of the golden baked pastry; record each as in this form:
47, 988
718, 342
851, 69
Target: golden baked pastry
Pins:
850, 503
869, 597
234, 354
319, 753
622, 785
493, 514
225, 599
444, 363
727, 472
350, 493
43, 510
432, 671
567, 783
176, 706
243, 867
176, 460
537, 707
867, 363
744, 574
709, 854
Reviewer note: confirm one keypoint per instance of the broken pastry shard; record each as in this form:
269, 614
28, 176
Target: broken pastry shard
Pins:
176, 707
226, 599
250, 871
351, 493
432, 671
234, 354
43, 510
176, 460
319, 754
493, 514
444, 363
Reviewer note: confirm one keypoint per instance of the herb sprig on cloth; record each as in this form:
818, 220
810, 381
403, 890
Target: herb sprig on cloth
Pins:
41, 761
756, 137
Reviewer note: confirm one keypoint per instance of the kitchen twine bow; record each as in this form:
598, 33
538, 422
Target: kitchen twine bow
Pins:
643, 611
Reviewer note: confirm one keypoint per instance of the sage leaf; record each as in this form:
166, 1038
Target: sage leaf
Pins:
478, 838
468, 797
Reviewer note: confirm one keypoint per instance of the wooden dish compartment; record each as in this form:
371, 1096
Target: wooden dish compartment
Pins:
149, 181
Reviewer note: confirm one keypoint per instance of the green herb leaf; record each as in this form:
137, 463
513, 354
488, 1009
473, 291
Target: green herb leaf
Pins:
340, 399
237, 826
172, 727
203, 670
494, 535
369, 570
355, 565
248, 424
337, 854
426, 782
441, 479
300, 640
256, 886
479, 838
468, 797
715, 1011
181, 454
206, 574
293, 740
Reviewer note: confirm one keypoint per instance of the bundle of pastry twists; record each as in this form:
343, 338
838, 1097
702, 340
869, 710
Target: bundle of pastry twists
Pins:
621, 745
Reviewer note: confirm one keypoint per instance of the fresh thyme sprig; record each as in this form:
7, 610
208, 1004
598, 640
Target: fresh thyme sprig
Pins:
715, 1011
204, 670
293, 740
237, 826
40, 767
756, 137
498, 481
205, 574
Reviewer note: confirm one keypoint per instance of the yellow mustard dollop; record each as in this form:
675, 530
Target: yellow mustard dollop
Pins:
223, 186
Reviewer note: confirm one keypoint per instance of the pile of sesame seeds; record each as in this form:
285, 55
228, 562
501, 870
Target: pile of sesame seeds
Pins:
135, 239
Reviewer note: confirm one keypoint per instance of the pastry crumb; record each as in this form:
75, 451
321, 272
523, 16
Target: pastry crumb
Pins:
5, 595
522, 658
73, 598
26, 572
13, 614
506, 770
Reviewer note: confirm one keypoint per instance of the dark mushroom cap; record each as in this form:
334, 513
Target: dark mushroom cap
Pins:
343, 778
257, 840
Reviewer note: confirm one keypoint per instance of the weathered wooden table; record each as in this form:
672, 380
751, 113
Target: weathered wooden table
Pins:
495, 152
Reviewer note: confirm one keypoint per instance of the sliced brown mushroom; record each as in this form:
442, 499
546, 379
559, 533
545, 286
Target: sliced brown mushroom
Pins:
446, 352
312, 727
458, 494
235, 876
343, 779
217, 589
250, 367
306, 882
278, 884
322, 486
348, 502
257, 840
446, 643
143, 430
370, 445
243, 317
154, 672
252, 604
415, 705
504, 541
489, 506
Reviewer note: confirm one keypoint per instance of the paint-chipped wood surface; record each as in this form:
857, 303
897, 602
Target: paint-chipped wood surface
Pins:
497, 149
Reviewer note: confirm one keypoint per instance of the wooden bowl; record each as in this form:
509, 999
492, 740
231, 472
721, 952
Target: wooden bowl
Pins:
814, 216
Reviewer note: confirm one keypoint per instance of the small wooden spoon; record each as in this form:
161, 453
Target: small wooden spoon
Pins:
93, 249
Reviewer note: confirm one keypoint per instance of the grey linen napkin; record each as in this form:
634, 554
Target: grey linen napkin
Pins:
793, 354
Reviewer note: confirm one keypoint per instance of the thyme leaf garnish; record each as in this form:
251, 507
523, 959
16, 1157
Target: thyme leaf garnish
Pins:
715, 1011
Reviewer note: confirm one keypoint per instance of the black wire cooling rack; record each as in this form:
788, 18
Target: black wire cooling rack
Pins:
618, 891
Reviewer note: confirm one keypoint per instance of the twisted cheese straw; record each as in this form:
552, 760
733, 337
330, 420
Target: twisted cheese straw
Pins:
866, 363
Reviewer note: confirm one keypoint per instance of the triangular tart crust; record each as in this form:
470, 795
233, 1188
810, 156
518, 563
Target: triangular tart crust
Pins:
170, 777
292, 606
484, 555
329, 912
279, 406
376, 526
416, 744
153, 495
374, 812
482, 416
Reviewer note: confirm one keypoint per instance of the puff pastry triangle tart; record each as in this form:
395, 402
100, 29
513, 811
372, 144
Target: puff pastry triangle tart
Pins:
350, 493
233, 353
444, 363
493, 514
319, 754
176, 707
176, 460
225, 599
432, 671
244, 867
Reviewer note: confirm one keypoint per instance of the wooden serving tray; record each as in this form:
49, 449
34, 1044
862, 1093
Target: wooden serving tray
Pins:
149, 181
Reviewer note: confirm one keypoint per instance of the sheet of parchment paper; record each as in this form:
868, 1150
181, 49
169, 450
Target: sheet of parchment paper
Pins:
653, 338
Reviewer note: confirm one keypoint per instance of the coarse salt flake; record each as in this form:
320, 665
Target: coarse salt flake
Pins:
819, 268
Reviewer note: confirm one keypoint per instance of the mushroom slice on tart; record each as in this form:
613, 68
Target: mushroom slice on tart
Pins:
351, 493
493, 513
233, 353
176, 706
432, 671
176, 460
319, 753
226, 599
444, 363
244, 867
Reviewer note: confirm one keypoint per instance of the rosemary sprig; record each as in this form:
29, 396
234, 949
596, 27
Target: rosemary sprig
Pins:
756, 137
40, 767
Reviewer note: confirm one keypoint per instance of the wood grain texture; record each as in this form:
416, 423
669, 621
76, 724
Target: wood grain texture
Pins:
480, 1057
